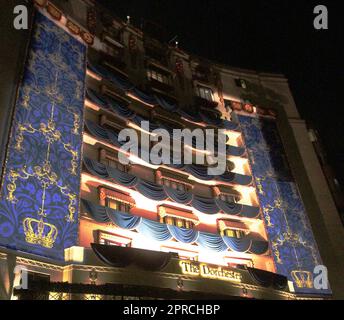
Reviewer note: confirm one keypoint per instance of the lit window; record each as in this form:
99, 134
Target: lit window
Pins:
117, 205
177, 222
205, 93
233, 233
157, 76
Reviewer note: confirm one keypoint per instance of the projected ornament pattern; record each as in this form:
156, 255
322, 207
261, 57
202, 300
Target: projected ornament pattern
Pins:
291, 238
40, 192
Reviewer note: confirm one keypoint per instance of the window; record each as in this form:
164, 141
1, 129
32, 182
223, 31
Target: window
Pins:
241, 83
110, 242
157, 76
177, 222
117, 205
205, 93
112, 239
233, 233
174, 185
114, 163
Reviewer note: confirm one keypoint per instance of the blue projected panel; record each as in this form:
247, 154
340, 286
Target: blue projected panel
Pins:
40, 193
291, 238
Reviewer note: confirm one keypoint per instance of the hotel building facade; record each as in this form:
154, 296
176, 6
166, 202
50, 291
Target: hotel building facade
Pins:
76, 223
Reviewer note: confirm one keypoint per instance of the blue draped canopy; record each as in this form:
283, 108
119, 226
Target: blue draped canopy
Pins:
178, 196
151, 190
183, 235
206, 205
212, 242
110, 173
259, 247
238, 245
158, 192
197, 171
120, 109
154, 230
162, 232
228, 207
126, 85
145, 97
166, 105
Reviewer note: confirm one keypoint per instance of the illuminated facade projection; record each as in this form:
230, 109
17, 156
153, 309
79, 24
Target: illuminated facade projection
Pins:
40, 192
88, 226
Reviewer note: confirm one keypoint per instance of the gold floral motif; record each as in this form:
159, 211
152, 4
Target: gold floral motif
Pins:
12, 186
72, 203
276, 252
260, 186
54, 93
47, 178
19, 139
267, 210
76, 124
50, 132
75, 157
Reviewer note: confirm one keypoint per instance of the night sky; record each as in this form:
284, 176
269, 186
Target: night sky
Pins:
272, 36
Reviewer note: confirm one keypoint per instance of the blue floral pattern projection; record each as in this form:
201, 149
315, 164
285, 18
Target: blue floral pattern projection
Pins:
40, 193
291, 238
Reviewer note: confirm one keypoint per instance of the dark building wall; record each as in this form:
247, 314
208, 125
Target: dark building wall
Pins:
12, 59
314, 189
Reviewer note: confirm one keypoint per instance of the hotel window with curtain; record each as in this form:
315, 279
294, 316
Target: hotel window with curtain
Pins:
177, 222
238, 234
157, 76
116, 200
117, 205
205, 93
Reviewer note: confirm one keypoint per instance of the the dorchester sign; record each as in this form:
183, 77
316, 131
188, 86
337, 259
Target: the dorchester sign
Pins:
208, 271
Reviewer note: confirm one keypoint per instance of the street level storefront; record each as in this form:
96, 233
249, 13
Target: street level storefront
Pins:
115, 273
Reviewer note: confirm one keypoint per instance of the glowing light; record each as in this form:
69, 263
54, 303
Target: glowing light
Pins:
93, 75
248, 195
136, 127
91, 105
211, 272
89, 140
74, 254
137, 99
233, 137
196, 123
241, 165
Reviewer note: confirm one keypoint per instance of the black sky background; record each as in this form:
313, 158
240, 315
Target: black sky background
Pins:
264, 35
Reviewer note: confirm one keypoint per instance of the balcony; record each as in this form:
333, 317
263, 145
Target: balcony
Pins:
116, 62
205, 103
161, 87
